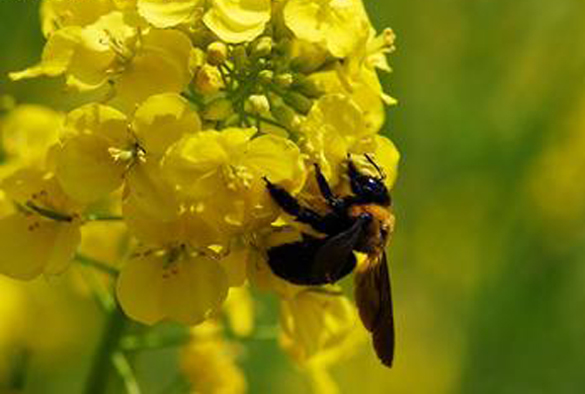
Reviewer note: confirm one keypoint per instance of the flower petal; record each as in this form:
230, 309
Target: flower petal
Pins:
139, 288
162, 119
57, 55
164, 53
169, 13
67, 239
236, 21
101, 120
197, 288
31, 245
85, 168
151, 192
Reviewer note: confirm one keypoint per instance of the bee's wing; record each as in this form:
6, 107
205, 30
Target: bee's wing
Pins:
335, 258
374, 301
316, 261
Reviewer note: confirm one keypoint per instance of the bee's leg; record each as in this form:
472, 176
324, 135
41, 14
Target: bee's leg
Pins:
290, 205
335, 203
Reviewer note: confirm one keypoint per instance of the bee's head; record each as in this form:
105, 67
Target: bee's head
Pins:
368, 189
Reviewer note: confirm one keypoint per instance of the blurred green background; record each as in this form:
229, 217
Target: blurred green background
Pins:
488, 264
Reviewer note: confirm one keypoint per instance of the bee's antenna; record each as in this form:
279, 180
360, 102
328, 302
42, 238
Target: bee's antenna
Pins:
372, 162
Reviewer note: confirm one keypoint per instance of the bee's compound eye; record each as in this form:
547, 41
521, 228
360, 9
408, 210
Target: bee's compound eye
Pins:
372, 186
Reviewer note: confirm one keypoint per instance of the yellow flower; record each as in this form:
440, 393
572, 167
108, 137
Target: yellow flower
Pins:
43, 235
176, 275
171, 285
239, 310
85, 166
104, 150
369, 101
331, 23
165, 54
170, 13
208, 80
209, 362
335, 127
116, 49
224, 171
236, 21
315, 321
368, 55
189, 226
28, 132
56, 14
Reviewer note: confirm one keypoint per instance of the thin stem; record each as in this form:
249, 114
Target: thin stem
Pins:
151, 342
99, 375
100, 294
269, 121
194, 99
94, 217
125, 371
99, 265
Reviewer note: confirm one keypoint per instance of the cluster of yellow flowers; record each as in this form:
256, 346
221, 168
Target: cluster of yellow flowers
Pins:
198, 100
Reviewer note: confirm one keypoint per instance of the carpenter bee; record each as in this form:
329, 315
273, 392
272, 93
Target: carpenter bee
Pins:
361, 222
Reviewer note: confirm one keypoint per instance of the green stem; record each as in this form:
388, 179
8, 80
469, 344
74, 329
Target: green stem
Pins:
269, 121
103, 218
101, 266
100, 373
151, 342
194, 99
124, 369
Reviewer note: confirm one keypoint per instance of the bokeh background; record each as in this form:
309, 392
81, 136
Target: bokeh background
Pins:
488, 264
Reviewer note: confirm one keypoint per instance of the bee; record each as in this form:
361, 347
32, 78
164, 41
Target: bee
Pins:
361, 222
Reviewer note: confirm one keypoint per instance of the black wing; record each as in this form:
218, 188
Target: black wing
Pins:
374, 301
317, 261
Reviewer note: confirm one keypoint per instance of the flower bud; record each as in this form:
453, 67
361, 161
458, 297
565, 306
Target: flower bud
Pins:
266, 76
389, 37
299, 102
287, 117
216, 53
240, 57
284, 80
208, 80
307, 57
262, 47
257, 104
306, 86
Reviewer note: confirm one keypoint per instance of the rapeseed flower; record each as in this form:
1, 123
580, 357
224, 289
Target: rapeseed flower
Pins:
42, 233
120, 51
103, 149
236, 21
209, 362
160, 183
